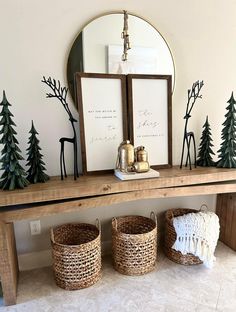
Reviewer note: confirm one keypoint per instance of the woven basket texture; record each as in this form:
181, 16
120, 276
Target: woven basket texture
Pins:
76, 251
170, 238
134, 244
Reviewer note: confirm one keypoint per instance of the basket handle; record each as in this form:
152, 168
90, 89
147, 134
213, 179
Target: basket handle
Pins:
203, 205
52, 236
153, 217
115, 221
172, 214
98, 225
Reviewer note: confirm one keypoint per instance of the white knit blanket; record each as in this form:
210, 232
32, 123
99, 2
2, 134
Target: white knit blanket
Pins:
197, 233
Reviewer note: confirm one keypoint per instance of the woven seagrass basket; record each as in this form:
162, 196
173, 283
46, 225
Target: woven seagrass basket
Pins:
170, 237
134, 244
76, 251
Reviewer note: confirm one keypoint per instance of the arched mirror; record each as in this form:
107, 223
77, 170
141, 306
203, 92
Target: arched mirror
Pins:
99, 48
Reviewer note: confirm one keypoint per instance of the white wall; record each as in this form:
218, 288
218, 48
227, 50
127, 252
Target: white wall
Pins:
35, 40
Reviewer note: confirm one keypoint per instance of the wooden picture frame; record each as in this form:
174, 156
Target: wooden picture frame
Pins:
150, 116
102, 106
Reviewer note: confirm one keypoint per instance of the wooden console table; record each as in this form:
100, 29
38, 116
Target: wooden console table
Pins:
58, 196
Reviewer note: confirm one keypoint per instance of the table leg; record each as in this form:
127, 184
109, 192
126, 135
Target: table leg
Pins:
9, 269
226, 210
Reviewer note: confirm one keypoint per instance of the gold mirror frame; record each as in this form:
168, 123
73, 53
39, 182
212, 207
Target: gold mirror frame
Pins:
73, 66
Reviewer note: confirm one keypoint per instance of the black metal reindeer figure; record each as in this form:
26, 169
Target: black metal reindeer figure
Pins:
193, 95
61, 93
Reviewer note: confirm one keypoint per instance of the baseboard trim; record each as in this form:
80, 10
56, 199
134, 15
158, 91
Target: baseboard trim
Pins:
35, 260
43, 258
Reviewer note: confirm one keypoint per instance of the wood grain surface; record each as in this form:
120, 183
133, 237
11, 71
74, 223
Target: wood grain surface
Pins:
98, 185
226, 210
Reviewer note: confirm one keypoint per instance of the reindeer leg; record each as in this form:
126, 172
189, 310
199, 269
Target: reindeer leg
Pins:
62, 158
188, 154
182, 156
195, 153
64, 165
76, 159
61, 153
190, 163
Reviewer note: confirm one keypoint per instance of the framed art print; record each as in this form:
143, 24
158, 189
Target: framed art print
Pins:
150, 120
102, 106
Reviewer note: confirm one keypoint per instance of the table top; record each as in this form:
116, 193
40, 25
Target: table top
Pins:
96, 185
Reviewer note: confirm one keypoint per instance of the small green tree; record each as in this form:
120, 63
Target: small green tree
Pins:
227, 152
13, 175
36, 171
205, 147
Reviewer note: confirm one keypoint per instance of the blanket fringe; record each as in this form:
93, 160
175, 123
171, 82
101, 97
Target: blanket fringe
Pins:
197, 233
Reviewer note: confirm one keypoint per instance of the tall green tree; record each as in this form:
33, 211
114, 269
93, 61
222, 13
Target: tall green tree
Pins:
227, 151
13, 174
36, 171
205, 147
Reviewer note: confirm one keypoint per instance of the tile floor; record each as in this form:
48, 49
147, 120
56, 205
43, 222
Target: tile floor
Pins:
171, 287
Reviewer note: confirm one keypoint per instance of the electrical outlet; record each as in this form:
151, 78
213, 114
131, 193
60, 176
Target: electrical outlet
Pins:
35, 227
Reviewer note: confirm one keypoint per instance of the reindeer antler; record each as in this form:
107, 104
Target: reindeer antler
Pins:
58, 92
193, 94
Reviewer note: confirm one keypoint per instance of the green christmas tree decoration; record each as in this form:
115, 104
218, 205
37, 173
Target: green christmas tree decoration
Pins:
227, 151
205, 147
34, 161
13, 174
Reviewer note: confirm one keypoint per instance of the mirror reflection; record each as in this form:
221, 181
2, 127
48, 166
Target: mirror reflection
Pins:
119, 43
